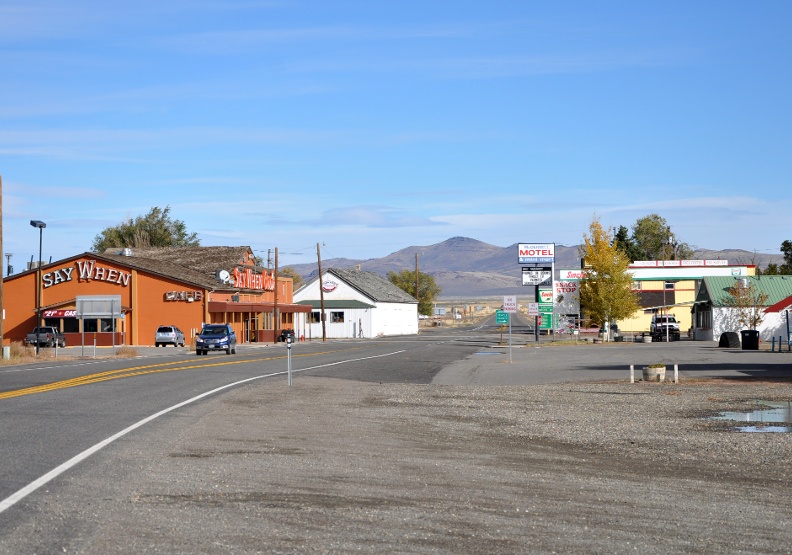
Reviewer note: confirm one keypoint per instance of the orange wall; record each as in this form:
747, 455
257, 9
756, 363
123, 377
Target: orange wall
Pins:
142, 291
145, 293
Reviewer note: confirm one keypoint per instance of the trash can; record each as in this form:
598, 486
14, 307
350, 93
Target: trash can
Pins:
750, 340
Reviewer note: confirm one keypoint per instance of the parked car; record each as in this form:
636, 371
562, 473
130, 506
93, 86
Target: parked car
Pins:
286, 334
46, 336
216, 337
166, 335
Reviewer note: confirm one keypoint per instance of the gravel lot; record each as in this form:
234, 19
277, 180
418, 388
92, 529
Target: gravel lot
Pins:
330, 466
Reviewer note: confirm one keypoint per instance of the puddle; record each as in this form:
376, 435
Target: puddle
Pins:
763, 412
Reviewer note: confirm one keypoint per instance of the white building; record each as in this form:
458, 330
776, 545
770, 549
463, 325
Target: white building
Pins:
358, 304
712, 316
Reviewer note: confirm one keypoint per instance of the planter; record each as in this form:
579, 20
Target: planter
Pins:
654, 374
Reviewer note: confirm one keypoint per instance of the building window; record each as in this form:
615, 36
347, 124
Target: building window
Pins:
314, 318
337, 317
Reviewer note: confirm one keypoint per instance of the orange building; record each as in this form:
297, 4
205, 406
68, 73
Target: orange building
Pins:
180, 286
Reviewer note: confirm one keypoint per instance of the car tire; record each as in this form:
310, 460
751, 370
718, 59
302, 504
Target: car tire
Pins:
233, 351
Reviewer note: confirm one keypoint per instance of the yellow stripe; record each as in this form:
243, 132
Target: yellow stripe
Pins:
132, 372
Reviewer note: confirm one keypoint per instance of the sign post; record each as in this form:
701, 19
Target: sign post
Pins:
510, 307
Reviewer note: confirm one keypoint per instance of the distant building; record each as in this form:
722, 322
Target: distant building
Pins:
181, 286
357, 304
712, 316
667, 286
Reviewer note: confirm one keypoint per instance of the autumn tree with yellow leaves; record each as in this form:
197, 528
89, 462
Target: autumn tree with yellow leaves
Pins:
606, 294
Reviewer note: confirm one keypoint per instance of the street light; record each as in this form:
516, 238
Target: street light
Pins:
40, 225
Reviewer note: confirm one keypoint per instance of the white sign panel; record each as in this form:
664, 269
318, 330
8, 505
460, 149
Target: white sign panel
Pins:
567, 275
536, 253
535, 277
510, 304
533, 309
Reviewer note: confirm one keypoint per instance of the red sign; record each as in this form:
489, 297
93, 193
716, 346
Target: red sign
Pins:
248, 280
59, 313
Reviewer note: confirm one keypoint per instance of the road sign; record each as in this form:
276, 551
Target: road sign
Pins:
533, 309
536, 276
501, 317
510, 304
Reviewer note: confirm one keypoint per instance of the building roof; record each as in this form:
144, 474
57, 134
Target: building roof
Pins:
206, 260
715, 289
373, 285
370, 284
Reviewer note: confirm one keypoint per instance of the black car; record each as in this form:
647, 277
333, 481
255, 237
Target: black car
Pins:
216, 337
286, 334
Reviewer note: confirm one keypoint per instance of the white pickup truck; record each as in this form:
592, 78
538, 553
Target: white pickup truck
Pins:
662, 323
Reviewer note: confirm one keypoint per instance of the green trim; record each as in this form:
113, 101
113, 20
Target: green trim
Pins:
335, 304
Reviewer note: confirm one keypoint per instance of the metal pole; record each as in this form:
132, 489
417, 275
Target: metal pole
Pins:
510, 339
40, 225
288, 359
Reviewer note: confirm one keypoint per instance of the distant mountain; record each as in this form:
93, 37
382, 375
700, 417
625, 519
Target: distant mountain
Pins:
469, 269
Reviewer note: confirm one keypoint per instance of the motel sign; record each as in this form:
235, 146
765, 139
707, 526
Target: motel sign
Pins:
536, 253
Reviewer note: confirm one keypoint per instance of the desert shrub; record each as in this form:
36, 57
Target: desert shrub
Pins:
126, 351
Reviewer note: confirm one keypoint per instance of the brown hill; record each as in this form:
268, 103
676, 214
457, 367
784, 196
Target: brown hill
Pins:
467, 268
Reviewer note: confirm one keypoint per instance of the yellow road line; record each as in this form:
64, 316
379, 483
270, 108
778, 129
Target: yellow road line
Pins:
136, 371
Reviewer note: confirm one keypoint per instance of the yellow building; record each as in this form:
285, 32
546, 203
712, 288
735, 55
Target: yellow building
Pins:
668, 287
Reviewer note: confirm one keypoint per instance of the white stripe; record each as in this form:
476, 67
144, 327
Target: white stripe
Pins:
57, 471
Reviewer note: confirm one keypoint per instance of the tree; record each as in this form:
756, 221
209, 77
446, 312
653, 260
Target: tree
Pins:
428, 290
781, 269
606, 294
748, 302
623, 242
653, 240
288, 271
155, 229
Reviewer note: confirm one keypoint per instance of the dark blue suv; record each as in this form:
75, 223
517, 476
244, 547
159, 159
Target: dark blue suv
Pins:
216, 337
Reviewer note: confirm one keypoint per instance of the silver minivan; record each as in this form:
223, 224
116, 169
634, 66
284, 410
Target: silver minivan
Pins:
169, 335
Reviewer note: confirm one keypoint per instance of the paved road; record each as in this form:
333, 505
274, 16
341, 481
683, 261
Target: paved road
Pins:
41, 429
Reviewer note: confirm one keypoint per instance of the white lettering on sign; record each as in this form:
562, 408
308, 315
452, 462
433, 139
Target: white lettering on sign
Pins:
188, 296
86, 271
534, 253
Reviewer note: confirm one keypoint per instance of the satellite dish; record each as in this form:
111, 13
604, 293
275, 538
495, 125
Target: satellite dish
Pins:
224, 276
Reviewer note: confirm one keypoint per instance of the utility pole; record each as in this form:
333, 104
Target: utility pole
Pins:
321, 294
416, 278
275, 310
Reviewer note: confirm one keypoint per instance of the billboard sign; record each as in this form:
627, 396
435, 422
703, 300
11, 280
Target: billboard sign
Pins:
536, 276
535, 253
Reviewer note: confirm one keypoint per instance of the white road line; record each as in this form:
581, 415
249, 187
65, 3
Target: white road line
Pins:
57, 471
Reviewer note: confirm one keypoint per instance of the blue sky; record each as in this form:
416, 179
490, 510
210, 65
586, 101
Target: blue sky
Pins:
373, 126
